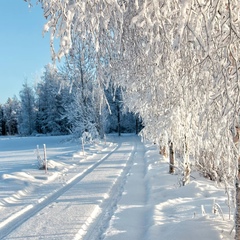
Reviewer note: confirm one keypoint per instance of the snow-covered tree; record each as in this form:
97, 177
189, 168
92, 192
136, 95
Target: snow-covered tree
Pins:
11, 112
169, 42
49, 103
119, 119
2, 122
83, 108
178, 60
27, 115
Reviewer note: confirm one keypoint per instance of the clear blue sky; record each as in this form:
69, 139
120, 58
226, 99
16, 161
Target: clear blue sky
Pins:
23, 50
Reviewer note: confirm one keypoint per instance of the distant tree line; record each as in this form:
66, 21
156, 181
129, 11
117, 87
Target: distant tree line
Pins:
65, 101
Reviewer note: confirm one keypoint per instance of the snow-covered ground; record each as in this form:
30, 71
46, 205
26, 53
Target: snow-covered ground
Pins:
118, 189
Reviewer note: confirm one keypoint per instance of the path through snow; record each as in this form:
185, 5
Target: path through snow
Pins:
77, 209
118, 190
132, 205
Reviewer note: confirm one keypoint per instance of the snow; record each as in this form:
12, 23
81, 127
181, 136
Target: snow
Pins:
118, 189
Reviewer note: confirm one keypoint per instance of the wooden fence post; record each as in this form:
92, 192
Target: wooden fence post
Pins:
45, 157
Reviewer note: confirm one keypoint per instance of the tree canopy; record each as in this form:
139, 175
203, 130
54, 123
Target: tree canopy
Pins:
177, 59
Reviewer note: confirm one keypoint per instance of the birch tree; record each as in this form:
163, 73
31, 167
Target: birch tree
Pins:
150, 40
84, 109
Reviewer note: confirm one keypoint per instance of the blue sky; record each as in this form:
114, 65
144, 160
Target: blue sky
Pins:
23, 50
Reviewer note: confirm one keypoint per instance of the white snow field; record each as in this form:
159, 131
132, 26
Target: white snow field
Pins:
118, 189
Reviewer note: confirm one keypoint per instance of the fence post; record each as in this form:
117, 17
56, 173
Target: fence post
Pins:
45, 157
38, 155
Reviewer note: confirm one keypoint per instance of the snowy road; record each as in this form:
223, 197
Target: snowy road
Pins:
83, 206
133, 205
117, 190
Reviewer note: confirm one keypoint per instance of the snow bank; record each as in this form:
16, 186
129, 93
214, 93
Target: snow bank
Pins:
181, 213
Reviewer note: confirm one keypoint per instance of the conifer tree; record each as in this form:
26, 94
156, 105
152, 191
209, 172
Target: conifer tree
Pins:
27, 115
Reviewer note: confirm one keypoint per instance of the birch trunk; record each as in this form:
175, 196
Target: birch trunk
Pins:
237, 214
186, 164
171, 158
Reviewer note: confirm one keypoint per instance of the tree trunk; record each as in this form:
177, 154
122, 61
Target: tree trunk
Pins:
171, 158
186, 164
186, 174
237, 216
163, 151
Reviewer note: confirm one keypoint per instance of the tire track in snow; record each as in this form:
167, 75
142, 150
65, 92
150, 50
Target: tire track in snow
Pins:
100, 217
132, 209
17, 219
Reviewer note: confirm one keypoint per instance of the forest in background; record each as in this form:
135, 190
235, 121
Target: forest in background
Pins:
57, 106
